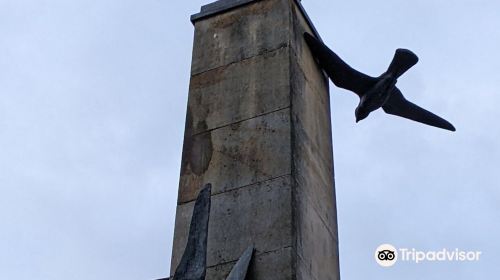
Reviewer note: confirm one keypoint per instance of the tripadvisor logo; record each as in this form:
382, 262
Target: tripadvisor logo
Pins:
387, 255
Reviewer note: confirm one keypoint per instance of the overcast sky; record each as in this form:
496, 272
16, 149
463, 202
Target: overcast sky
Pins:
92, 105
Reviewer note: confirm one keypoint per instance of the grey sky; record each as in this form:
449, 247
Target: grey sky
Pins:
92, 106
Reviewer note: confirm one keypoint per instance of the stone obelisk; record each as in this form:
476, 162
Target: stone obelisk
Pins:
258, 129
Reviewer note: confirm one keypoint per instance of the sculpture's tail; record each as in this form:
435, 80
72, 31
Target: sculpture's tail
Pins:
403, 60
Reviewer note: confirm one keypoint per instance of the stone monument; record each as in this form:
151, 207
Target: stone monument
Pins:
258, 129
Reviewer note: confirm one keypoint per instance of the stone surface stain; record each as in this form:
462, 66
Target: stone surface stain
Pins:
197, 149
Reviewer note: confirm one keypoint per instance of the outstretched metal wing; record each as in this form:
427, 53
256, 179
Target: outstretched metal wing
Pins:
341, 74
399, 106
403, 60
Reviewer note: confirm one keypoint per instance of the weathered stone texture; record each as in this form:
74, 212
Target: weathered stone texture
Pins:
239, 34
257, 214
314, 193
237, 155
237, 92
258, 128
278, 262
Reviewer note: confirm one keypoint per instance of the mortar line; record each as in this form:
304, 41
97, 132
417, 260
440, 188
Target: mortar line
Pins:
256, 255
240, 121
264, 52
241, 187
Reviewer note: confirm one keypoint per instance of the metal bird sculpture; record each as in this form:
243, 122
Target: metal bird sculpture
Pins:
193, 265
375, 93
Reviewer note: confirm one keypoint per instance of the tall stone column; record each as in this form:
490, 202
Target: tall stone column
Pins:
258, 129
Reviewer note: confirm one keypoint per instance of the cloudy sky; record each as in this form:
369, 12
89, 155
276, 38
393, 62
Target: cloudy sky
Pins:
92, 105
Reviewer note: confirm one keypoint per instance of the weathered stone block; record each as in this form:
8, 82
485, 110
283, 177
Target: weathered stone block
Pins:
317, 245
312, 184
239, 34
237, 155
275, 265
314, 196
313, 159
257, 214
239, 91
313, 154
310, 114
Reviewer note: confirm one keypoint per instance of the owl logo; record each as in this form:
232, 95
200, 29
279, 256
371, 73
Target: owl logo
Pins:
386, 255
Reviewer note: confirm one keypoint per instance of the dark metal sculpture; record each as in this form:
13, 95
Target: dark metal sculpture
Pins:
194, 260
375, 93
240, 269
193, 265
